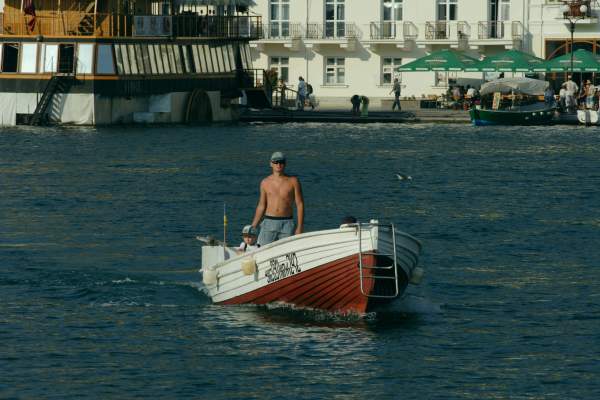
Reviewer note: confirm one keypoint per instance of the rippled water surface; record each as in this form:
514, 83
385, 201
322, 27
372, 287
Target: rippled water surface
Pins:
99, 297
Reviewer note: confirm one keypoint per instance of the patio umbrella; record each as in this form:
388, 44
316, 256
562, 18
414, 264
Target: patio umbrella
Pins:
518, 85
443, 60
508, 61
583, 61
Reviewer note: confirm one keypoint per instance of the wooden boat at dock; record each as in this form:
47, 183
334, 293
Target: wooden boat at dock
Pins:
355, 268
514, 102
95, 62
537, 115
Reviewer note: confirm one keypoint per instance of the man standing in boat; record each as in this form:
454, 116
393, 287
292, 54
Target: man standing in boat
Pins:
278, 193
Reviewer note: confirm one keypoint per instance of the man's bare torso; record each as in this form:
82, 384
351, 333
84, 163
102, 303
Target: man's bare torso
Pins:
280, 194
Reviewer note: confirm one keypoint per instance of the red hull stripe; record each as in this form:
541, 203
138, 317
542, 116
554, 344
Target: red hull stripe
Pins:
334, 286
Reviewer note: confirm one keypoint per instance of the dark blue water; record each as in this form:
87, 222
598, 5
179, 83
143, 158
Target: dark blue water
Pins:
99, 297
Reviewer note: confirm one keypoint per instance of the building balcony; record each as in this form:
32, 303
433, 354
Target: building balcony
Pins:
454, 34
389, 33
286, 34
447, 30
493, 33
81, 24
337, 33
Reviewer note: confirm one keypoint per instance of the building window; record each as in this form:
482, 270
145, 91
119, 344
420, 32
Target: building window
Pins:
335, 71
85, 57
445, 79
49, 58
104, 60
279, 18
335, 15
281, 65
499, 10
29, 58
447, 10
392, 10
10, 57
388, 70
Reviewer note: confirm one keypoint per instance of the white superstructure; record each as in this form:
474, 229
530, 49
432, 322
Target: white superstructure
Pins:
346, 47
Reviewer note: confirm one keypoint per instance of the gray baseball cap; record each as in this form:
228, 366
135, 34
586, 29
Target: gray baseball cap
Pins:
278, 156
249, 230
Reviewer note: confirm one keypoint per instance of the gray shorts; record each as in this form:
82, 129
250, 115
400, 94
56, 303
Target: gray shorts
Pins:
272, 229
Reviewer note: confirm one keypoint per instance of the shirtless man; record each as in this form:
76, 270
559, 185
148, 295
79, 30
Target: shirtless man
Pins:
278, 192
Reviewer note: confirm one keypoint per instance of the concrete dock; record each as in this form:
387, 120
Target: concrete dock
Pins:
345, 116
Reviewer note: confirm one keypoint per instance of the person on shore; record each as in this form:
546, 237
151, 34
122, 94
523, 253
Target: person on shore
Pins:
590, 93
248, 239
364, 111
310, 97
301, 93
278, 193
355, 100
282, 89
572, 89
562, 98
396, 89
549, 97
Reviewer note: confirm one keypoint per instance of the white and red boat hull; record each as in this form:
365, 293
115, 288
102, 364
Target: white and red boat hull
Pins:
319, 270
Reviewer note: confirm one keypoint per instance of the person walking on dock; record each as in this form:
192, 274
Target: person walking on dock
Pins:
301, 93
396, 89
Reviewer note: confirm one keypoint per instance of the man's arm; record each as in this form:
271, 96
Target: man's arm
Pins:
299, 200
261, 206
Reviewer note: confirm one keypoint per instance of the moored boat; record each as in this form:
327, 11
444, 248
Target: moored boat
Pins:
587, 117
512, 101
355, 268
539, 116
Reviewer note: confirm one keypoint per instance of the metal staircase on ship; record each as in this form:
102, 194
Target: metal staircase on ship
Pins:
56, 84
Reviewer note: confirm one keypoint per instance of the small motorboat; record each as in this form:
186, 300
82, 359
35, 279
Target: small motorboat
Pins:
355, 268
587, 117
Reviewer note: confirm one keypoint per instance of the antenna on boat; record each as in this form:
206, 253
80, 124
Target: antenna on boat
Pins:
224, 224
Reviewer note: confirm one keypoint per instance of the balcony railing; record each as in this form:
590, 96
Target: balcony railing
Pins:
121, 25
445, 30
490, 30
517, 31
282, 30
332, 30
389, 30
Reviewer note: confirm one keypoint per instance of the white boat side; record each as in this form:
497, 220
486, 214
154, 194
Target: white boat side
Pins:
301, 253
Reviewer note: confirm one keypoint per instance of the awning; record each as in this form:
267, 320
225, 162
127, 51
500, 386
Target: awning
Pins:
583, 61
443, 60
509, 61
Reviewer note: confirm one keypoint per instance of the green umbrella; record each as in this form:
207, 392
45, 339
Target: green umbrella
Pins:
509, 61
443, 60
583, 61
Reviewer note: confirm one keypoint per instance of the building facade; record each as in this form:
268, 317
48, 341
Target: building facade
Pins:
346, 47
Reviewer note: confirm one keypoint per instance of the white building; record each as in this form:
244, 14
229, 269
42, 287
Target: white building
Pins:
346, 47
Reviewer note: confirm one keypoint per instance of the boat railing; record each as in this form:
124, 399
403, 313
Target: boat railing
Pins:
73, 23
378, 272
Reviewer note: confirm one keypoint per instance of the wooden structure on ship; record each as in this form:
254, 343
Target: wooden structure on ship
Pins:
115, 61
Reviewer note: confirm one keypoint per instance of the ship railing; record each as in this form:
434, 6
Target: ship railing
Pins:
125, 25
284, 97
